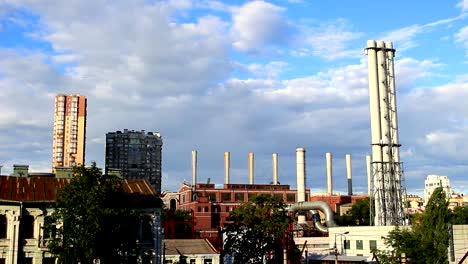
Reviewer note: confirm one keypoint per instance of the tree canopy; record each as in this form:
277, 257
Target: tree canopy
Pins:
259, 231
427, 240
358, 215
90, 221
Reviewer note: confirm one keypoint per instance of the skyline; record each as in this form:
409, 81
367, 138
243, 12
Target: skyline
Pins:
238, 76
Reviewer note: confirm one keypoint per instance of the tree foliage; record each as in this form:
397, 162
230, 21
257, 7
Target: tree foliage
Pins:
459, 216
259, 231
90, 221
358, 215
427, 240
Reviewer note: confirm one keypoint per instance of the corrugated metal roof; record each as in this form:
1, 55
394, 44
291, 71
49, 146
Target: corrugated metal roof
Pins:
45, 189
188, 246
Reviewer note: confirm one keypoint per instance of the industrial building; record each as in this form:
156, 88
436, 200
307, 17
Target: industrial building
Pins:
69, 136
25, 202
135, 155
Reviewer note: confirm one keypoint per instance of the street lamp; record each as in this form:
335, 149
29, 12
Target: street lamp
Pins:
341, 245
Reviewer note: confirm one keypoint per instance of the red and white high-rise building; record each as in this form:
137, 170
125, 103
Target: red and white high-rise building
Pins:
69, 131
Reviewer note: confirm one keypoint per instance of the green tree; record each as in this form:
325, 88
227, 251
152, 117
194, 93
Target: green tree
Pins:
259, 231
427, 240
91, 220
459, 216
358, 215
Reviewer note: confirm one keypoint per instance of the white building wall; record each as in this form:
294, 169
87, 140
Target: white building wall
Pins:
357, 236
459, 244
434, 181
195, 259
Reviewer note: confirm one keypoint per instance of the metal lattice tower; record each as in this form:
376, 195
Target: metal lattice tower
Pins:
388, 180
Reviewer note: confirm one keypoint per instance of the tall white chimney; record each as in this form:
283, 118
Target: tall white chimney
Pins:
251, 168
328, 157
227, 166
194, 167
274, 157
369, 175
349, 174
301, 176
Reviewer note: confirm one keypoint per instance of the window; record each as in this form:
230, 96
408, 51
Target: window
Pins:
50, 229
359, 244
212, 197
291, 197
347, 244
372, 244
146, 230
207, 261
226, 197
193, 261
3, 226
239, 197
28, 261
27, 225
2, 261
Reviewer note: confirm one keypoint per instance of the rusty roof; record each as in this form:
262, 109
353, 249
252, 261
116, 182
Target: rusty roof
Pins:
45, 189
188, 247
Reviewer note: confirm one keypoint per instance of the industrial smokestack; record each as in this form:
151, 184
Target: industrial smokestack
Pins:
251, 168
301, 176
194, 167
227, 166
349, 174
274, 157
369, 175
328, 157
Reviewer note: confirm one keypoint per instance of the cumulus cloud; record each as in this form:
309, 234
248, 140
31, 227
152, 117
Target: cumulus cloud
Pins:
258, 25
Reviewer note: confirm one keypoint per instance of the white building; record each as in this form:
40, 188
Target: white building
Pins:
195, 251
434, 181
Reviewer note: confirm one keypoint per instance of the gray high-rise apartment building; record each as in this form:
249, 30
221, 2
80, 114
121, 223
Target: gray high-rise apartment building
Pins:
135, 155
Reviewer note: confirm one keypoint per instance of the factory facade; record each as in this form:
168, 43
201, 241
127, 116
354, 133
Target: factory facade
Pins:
135, 155
25, 204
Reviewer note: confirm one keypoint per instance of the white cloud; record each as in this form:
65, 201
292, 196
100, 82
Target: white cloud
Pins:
404, 38
462, 37
463, 4
258, 25
329, 41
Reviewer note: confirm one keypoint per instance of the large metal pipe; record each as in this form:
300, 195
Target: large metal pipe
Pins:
374, 106
227, 167
349, 174
328, 157
274, 157
194, 167
316, 205
251, 167
369, 175
301, 174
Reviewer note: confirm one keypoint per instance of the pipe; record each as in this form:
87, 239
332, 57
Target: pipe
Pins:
227, 166
328, 157
301, 174
316, 205
274, 157
251, 167
383, 98
349, 174
369, 175
194, 167
374, 106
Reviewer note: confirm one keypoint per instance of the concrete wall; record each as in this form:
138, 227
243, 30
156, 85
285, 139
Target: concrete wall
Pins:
459, 243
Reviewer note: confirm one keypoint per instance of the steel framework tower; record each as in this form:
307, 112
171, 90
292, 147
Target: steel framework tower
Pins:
388, 188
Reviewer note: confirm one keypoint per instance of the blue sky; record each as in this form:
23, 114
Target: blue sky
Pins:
238, 76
